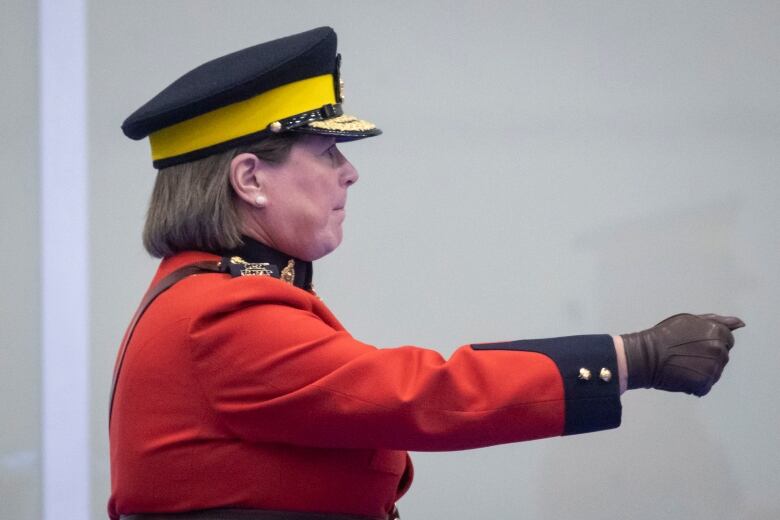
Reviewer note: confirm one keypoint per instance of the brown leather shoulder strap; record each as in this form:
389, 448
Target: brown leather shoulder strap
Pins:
161, 286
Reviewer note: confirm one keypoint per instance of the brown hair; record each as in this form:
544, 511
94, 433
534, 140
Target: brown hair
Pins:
193, 206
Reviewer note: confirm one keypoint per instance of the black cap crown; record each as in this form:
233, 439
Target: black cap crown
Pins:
289, 84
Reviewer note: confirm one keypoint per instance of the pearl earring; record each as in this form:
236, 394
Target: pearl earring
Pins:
260, 201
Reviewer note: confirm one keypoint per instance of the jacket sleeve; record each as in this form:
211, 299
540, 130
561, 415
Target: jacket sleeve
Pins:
274, 371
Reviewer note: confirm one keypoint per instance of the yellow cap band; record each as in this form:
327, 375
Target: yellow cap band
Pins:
242, 118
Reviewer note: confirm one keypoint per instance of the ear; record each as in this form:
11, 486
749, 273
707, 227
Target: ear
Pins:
247, 175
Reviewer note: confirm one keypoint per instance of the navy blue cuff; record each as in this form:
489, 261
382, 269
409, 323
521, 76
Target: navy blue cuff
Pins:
588, 367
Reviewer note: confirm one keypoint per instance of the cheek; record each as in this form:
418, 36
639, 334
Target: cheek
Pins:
312, 219
294, 203
315, 205
322, 223
317, 233
303, 211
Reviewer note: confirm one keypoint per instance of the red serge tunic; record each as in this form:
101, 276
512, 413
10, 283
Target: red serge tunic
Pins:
246, 392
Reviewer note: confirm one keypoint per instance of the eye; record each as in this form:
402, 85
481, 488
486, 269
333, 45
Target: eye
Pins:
332, 152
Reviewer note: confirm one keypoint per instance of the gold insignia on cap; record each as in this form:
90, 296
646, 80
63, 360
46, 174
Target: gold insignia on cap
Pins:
343, 123
288, 273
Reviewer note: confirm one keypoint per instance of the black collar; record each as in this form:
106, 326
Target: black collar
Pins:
255, 258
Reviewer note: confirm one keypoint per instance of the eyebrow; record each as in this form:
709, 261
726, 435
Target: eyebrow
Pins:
329, 142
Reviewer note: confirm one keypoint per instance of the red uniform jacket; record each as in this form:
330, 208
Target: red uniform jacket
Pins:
246, 392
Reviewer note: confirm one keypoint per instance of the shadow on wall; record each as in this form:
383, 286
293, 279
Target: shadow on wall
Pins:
19, 483
677, 261
664, 462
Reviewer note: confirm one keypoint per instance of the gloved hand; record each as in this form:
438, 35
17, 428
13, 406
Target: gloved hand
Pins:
684, 353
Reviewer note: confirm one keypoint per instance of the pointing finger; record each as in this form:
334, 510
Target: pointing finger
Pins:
732, 322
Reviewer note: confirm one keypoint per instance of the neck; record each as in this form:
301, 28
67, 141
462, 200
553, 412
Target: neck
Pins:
254, 251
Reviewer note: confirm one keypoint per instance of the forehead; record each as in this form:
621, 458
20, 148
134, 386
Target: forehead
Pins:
314, 141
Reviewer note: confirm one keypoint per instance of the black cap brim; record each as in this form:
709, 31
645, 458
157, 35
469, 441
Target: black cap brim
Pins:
343, 128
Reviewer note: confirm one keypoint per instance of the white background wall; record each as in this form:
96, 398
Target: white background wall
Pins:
547, 168
20, 382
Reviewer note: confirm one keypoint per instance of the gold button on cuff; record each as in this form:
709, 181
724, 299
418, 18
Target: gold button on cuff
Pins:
585, 374
605, 375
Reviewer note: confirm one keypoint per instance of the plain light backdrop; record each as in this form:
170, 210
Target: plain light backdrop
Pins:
547, 168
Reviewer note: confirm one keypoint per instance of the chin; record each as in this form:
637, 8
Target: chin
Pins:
324, 248
316, 245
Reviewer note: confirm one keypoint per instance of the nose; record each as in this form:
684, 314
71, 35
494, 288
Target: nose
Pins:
349, 175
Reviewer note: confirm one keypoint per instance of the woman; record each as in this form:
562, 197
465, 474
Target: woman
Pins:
237, 392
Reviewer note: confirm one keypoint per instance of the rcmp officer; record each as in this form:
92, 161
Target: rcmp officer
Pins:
238, 395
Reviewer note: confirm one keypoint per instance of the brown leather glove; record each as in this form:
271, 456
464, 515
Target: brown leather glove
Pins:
684, 353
